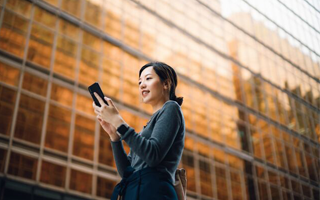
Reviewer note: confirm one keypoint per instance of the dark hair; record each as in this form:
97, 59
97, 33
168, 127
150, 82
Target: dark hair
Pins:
165, 73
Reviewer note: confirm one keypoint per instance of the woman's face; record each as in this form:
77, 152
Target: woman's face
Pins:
151, 89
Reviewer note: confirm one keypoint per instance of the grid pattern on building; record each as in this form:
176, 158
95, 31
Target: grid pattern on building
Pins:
250, 87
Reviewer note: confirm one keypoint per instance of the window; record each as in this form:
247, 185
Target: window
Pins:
222, 186
58, 128
3, 156
83, 137
29, 119
53, 174
7, 102
35, 84
22, 166
13, 33
205, 178
81, 181
40, 45
188, 165
65, 57
105, 150
89, 66
105, 187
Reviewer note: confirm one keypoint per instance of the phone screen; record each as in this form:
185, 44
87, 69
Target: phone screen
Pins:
96, 88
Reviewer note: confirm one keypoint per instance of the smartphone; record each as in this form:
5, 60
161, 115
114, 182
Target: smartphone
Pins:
96, 88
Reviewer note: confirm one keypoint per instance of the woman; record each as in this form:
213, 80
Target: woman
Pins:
148, 170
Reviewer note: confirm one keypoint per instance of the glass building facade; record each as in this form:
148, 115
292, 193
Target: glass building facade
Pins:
249, 72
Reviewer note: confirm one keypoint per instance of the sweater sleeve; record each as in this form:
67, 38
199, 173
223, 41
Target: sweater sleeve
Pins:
120, 156
153, 150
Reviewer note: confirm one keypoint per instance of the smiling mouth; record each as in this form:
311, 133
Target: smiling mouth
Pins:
145, 93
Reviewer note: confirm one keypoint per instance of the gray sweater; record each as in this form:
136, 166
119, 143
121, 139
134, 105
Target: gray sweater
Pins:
159, 144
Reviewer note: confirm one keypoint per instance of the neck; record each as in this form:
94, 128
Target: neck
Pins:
158, 105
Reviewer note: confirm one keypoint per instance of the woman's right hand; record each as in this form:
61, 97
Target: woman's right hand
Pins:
112, 132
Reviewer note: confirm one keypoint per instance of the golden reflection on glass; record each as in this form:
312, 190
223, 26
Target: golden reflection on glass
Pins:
92, 13
53, 174
35, 84
205, 178
113, 23
209, 78
280, 154
110, 78
21, 7
187, 113
68, 29
81, 181
222, 187
83, 137
147, 43
105, 150
65, 57
188, 165
9, 75
89, 66
256, 138
219, 156
40, 45
61, 94
235, 162
268, 147
203, 149
236, 186
22, 166
131, 69
7, 102
3, 156
112, 52
72, 6
105, 187
311, 167
131, 32
44, 17
84, 104
13, 33
131, 119
261, 172
273, 177
52, 2
263, 191
29, 119
302, 168
290, 159
200, 118
189, 143
91, 41
58, 128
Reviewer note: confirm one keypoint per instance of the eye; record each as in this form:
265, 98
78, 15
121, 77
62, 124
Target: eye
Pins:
139, 83
149, 78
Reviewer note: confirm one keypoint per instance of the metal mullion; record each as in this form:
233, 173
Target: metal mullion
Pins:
228, 178
47, 102
97, 124
73, 113
19, 87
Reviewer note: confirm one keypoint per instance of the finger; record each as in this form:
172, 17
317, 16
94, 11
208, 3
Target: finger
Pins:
110, 102
99, 99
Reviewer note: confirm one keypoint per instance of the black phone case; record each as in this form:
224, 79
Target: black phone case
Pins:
96, 88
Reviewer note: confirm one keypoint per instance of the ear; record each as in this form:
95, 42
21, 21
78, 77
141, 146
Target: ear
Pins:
166, 84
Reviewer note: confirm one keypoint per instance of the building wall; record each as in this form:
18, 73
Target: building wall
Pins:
251, 95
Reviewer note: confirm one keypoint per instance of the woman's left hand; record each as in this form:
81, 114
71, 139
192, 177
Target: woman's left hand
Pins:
108, 113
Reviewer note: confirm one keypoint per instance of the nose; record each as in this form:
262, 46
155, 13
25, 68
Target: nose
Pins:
142, 85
